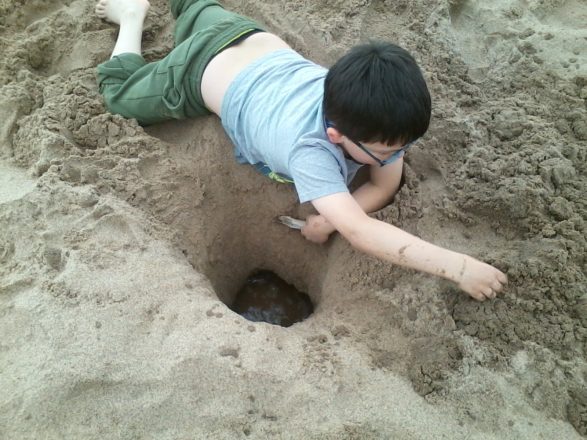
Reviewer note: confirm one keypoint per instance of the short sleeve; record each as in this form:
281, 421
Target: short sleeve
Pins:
317, 172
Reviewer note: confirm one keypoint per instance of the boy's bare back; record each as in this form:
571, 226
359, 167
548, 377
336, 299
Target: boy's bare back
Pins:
225, 66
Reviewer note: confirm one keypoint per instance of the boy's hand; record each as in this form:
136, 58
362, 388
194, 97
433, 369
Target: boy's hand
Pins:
317, 229
480, 280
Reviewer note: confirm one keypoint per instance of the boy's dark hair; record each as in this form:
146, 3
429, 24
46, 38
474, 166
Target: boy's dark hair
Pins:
376, 93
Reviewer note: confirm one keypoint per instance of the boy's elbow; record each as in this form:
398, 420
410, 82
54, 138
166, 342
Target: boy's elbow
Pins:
360, 242
357, 234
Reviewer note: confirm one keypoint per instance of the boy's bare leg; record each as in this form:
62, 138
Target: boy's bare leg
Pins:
130, 15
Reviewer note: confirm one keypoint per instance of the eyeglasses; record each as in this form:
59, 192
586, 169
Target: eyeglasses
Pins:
395, 156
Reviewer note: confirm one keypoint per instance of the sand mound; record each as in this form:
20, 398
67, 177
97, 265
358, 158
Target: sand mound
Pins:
119, 246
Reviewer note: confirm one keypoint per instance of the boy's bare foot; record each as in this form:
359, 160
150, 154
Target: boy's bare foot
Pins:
118, 10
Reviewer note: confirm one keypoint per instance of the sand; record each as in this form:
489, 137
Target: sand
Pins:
119, 246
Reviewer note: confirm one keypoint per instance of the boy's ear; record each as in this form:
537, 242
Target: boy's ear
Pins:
334, 135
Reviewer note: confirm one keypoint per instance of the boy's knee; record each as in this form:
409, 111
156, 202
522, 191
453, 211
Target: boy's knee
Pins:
114, 75
108, 92
146, 110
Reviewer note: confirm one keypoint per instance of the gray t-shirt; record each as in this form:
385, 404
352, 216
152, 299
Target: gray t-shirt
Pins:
272, 112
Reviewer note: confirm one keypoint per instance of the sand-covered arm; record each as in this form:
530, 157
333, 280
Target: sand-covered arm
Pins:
389, 243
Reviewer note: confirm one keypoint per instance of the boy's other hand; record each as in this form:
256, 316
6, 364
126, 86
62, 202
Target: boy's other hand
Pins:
480, 280
317, 229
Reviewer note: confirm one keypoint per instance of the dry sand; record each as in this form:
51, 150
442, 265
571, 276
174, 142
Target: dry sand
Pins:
118, 244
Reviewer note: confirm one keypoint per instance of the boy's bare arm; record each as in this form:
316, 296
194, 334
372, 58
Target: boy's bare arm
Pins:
390, 243
371, 196
381, 187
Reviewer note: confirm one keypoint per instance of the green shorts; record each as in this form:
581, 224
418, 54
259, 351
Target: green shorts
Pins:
170, 88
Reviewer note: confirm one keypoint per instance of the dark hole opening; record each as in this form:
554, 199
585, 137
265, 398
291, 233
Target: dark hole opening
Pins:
265, 297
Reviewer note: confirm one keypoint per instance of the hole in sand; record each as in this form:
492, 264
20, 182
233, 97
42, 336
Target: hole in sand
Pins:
225, 215
265, 297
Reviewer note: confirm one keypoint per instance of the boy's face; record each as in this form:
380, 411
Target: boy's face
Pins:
367, 153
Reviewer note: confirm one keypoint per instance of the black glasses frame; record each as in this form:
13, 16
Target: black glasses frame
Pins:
395, 156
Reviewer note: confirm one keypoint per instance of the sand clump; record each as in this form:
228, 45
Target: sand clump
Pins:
121, 245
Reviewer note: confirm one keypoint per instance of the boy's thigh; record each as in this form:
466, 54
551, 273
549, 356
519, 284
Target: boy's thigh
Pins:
170, 88
180, 7
158, 91
200, 15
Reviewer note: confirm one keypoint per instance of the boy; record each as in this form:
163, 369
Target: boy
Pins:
293, 120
